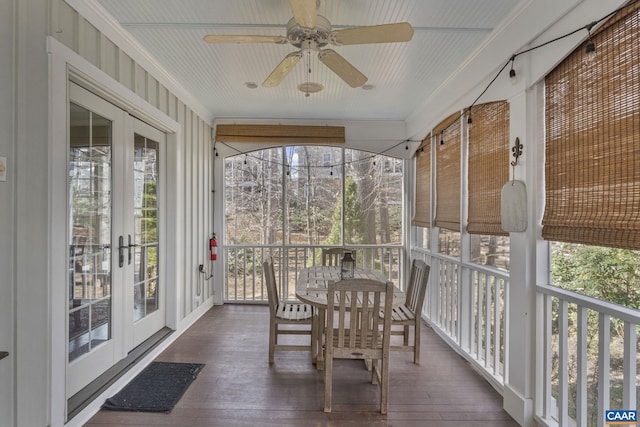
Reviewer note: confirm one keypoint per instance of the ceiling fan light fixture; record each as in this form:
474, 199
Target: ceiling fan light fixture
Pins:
251, 85
310, 87
368, 87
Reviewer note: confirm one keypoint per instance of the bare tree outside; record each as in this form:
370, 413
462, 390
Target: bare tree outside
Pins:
313, 189
289, 198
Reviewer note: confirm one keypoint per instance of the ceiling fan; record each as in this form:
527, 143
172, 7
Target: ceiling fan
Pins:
310, 32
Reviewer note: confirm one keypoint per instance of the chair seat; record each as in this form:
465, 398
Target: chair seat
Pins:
294, 311
367, 350
402, 315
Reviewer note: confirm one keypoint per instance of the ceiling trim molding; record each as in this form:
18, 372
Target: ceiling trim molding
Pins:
100, 18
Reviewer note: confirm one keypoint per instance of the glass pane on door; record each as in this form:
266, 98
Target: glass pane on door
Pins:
89, 231
146, 290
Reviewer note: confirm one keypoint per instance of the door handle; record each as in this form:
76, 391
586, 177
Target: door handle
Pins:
122, 247
3, 354
131, 246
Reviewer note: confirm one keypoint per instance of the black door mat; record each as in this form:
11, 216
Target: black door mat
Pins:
156, 389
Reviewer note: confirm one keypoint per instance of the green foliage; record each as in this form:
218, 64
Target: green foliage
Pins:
609, 274
354, 222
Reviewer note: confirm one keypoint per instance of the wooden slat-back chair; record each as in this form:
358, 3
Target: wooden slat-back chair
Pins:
409, 314
333, 256
367, 338
286, 313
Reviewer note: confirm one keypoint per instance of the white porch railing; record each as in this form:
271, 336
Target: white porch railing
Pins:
466, 306
466, 303
586, 358
243, 280
586, 352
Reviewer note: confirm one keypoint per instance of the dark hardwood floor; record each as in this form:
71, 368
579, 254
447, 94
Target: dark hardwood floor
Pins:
237, 387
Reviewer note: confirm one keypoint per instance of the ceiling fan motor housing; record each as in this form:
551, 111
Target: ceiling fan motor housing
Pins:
297, 35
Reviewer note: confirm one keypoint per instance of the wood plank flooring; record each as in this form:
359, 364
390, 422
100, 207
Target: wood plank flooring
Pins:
237, 387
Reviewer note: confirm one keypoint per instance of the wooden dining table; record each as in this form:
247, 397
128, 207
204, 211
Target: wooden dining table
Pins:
311, 288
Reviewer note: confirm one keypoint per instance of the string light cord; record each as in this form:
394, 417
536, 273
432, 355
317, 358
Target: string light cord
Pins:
334, 165
588, 27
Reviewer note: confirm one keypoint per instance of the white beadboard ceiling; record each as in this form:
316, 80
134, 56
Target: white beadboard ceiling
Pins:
403, 74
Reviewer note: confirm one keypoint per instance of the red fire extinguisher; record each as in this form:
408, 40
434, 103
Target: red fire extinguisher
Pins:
213, 248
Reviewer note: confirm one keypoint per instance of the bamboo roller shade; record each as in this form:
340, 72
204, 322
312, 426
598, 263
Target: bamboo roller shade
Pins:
453, 119
488, 167
422, 213
593, 140
448, 175
280, 134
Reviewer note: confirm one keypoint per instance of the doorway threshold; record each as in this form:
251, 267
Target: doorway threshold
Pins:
84, 397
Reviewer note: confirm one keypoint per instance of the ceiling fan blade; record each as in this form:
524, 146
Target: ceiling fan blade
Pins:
385, 33
342, 68
238, 38
281, 71
305, 12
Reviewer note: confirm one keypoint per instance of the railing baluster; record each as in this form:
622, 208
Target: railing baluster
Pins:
440, 285
479, 306
443, 298
449, 300
473, 315
487, 322
504, 327
253, 272
453, 301
581, 381
454, 306
446, 305
235, 266
604, 341
549, 407
563, 363
466, 318
496, 326
629, 366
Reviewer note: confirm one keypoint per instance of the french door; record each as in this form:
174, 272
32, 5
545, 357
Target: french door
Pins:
116, 291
